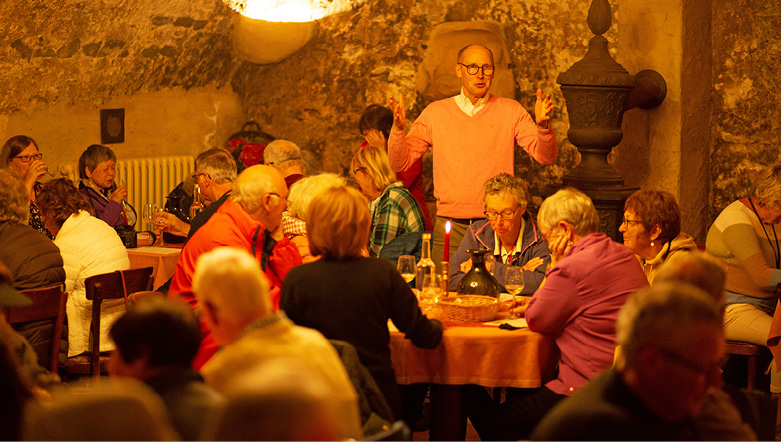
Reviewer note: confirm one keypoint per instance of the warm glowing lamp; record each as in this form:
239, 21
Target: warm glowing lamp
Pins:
269, 31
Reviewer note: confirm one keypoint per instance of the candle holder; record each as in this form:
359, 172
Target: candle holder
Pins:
445, 278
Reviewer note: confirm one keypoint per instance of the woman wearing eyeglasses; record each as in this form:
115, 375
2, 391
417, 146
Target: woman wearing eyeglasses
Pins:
98, 172
20, 154
652, 229
394, 211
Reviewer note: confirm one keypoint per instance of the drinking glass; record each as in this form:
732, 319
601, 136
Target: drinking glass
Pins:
513, 283
406, 267
432, 290
490, 259
148, 213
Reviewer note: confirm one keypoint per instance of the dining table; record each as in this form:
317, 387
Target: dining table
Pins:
161, 258
472, 353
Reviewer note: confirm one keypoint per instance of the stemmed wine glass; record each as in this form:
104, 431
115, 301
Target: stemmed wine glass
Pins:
406, 267
149, 214
513, 283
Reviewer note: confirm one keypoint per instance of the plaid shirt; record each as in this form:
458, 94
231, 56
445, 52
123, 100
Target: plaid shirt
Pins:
292, 226
394, 213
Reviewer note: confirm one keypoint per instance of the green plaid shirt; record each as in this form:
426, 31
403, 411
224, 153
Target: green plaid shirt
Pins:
394, 213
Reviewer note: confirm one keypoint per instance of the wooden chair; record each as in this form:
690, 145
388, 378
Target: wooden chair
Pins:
48, 303
752, 352
114, 285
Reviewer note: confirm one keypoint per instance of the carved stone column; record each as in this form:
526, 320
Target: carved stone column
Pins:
597, 91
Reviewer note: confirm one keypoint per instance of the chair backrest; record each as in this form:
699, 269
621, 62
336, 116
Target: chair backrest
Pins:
114, 285
48, 304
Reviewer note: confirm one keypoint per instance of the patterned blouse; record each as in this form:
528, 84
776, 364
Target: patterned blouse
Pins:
36, 221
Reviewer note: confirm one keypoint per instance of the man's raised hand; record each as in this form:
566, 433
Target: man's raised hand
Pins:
399, 112
542, 109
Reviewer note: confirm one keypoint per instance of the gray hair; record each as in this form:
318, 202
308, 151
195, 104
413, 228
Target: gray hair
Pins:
92, 156
767, 187
570, 205
231, 281
506, 184
663, 315
14, 201
281, 154
250, 188
306, 189
218, 164
699, 269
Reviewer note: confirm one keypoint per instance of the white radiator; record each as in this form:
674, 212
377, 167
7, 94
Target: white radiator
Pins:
148, 180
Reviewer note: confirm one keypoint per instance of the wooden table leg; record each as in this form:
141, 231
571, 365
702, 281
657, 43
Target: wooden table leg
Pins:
448, 417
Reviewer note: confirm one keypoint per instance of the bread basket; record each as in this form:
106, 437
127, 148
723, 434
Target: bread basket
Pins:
469, 308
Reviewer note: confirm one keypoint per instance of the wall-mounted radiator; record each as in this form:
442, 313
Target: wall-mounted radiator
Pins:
148, 180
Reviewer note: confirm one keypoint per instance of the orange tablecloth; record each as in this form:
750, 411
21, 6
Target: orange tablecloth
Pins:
487, 356
163, 259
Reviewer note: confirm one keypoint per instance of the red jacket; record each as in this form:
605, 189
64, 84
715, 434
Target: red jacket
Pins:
230, 226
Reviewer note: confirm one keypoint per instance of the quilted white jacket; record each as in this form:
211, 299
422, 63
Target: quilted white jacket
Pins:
89, 247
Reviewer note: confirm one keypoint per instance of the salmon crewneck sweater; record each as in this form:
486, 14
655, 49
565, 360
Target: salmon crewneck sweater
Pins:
468, 150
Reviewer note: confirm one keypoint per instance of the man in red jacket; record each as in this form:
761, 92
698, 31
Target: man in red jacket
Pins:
250, 220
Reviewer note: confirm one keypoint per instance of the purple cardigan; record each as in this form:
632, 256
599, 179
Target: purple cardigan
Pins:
578, 307
108, 210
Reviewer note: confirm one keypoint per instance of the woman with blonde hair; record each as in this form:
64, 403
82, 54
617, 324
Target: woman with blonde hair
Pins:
394, 212
350, 297
302, 192
745, 237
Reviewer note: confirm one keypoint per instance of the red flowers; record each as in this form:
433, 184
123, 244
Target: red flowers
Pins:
246, 153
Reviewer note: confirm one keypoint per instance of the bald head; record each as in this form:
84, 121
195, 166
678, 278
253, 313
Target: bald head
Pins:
262, 192
476, 49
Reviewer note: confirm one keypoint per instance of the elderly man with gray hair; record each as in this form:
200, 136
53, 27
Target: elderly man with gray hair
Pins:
509, 231
233, 294
286, 157
661, 380
251, 220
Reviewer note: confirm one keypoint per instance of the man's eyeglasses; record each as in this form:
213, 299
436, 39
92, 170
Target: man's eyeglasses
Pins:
472, 69
279, 196
506, 214
712, 372
629, 222
196, 175
28, 158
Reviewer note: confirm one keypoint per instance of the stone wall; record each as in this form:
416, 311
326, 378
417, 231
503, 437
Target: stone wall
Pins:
363, 56
168, 63
746, 106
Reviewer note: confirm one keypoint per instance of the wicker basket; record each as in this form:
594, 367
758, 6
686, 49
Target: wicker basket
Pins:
469, 308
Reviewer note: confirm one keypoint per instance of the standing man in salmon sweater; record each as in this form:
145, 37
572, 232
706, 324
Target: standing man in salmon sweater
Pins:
473, 136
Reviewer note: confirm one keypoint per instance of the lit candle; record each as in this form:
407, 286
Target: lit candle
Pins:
447, 242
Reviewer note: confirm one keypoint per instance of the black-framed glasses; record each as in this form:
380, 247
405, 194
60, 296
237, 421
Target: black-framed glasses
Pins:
473, 69
629, 222
714, 371
195, 176
355, 172
28, 158
506, 214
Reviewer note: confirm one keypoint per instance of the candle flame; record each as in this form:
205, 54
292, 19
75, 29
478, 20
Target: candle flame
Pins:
447, 226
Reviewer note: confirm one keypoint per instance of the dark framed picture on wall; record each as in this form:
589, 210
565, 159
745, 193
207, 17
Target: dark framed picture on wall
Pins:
112, 126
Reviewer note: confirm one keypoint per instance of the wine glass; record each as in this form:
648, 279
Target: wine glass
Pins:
406, 267
432, 290
513, 283
148, 214
490, 259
